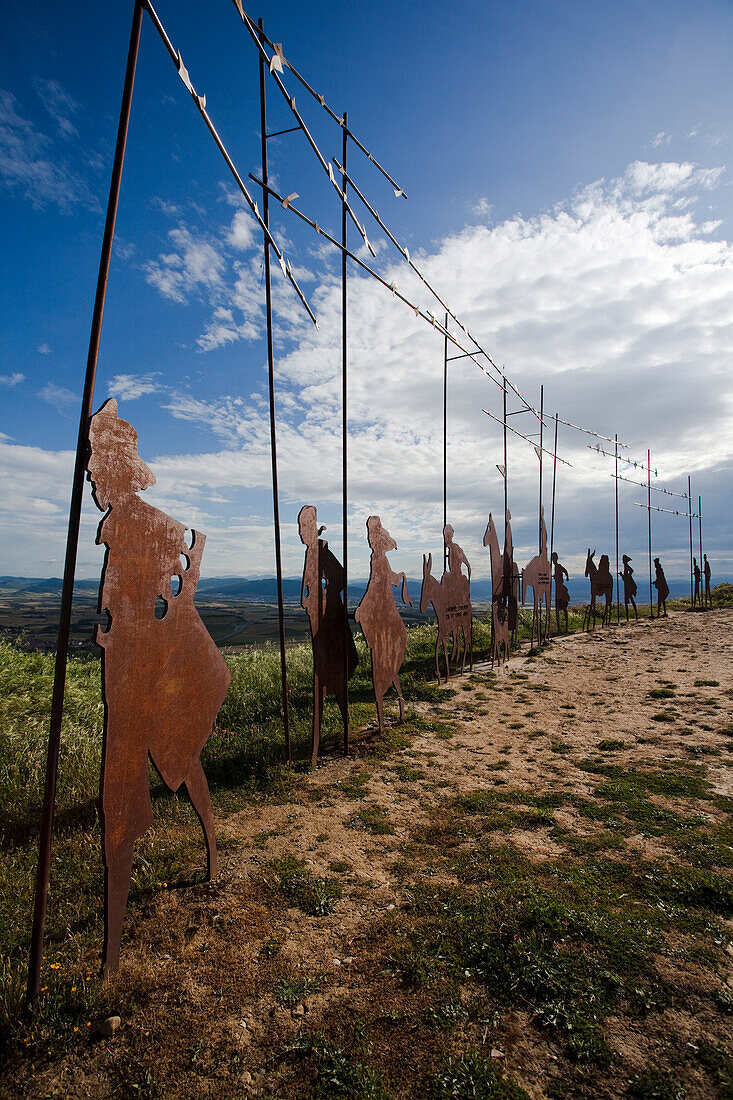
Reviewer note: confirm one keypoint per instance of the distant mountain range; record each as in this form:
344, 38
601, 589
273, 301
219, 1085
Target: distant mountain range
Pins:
264, 589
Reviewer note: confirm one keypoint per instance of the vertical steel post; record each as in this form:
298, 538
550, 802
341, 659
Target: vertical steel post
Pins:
554, 480
649, 514
542, 424
344, 434
271, 388
618, 594
445, 440
699, 531
72, 538
506, 471
689, 513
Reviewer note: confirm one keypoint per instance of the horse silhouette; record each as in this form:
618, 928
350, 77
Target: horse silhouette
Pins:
601, 584
499, 601
454, 617
536, 575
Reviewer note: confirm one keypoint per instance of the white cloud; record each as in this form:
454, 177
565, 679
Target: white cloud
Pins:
128, 387
194, 265
58, 396
662, 138
44, 349
61, 106
616, 300
242, 231
31, 169
13, 379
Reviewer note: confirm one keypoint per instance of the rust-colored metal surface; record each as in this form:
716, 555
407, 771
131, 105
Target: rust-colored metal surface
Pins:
706, 574
512, 580
629, 587
536, 575
601, 584
163, 678
334, 652
697, 572
499, 600
562, 596
378, 617
660, 583
451, 599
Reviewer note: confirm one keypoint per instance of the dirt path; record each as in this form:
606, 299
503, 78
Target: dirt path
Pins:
220, 983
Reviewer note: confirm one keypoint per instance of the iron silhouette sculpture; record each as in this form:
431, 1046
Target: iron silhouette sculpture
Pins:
334, 652
562, 595
379, 619
451, 599
163, 679
499, 601
660, 583
536, 575
512, 581
629, 587
601, 584
697, 573
706, 573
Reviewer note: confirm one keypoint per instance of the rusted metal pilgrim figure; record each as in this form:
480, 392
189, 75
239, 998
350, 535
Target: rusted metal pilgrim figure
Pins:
629, 587
660, 583
379, 618
706, 574
601, 584
163, 678
697, 572
450, 596
333, 645
512, 582
562, 596
536, 575
499, 601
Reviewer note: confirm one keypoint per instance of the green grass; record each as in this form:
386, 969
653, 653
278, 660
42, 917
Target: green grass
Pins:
289, 881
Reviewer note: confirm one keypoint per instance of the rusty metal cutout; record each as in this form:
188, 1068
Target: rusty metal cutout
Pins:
601, 584
629, 587
562, 596
379, 619
706, 574
499, 601
697, 571
451, 600
536, 575
660, 583
334, 652
163, 679
512, 580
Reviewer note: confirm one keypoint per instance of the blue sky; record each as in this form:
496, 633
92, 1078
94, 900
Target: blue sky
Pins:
568, 168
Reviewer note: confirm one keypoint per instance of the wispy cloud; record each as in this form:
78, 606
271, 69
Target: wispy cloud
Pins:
44, 349
58, 396
61, 106
195, 264
129, 387
13, 379
661, 138
31, 170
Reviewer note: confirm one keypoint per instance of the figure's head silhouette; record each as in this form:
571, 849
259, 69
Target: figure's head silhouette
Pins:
554, 556
447, 533
115, 469
626, 559
378, 538
308, 525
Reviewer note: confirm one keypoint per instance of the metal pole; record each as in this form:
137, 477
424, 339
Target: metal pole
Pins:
72, 539
271, 385
506, 472
618, 595
554, 479
699, 528
649, 513
445, 440
344, 435
539, 514
689, 513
